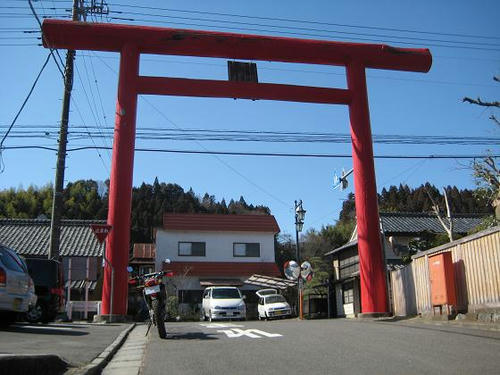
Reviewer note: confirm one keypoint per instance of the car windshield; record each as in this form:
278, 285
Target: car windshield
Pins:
10, 260
275, 299
225, 293
266, 292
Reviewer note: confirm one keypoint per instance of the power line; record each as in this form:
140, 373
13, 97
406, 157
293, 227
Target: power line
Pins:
2, 166
95, 114
371, 76
156, 133
203, 147
51, 49
274, 26
301, 34
269, 154
302, 21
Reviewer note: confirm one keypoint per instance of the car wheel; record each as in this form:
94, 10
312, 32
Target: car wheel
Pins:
34, 314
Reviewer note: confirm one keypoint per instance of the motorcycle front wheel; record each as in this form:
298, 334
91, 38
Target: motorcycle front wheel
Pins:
158, 317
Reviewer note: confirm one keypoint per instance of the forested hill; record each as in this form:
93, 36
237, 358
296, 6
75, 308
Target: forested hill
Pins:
406, 199
88, 199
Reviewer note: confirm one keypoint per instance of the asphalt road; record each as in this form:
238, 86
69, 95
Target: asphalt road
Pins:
77, 344
336, 346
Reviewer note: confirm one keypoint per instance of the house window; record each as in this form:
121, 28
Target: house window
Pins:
348, 266
195, 249
246, 249
348, 292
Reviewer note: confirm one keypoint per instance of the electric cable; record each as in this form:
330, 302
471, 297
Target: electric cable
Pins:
200, 134
2, 165
300, 34
215, 156
274, 26
51, 49
266, 154
292, 20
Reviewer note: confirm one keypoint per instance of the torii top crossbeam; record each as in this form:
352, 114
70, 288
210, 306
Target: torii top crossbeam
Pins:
166, 41
131, 41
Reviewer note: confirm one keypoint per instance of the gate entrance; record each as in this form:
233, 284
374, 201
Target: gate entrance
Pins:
131, 41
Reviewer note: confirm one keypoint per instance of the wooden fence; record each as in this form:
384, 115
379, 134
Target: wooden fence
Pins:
476, 260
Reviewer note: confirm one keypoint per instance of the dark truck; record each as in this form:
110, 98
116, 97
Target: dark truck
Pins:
49, 288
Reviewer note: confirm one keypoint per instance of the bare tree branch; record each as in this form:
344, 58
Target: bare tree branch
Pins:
435, 208
495, 120
478, 101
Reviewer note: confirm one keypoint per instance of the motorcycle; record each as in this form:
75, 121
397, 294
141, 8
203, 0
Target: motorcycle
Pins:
155, 296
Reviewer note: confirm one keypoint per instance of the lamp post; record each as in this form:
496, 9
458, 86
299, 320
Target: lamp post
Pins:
299, 223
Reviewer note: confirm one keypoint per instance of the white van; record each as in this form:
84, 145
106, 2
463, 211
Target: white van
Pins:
223, 302
272, 305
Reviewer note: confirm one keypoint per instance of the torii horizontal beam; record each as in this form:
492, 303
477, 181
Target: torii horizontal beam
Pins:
167, 41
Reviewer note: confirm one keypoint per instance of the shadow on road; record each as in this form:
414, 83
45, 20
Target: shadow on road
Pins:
191, 336
442, 329
44, 330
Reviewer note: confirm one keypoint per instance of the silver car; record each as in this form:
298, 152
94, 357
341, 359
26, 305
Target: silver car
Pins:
15, 286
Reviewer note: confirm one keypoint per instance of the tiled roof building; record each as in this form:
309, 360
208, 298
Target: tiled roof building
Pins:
411, 223
31, 237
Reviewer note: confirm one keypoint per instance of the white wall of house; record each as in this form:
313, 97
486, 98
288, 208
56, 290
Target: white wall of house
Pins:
218, 246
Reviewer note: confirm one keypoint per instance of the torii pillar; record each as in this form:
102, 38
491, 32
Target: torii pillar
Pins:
131, 41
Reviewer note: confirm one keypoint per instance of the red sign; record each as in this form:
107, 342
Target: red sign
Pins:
101, 231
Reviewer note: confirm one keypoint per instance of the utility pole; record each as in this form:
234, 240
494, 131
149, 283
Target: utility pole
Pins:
79, 11
57, 201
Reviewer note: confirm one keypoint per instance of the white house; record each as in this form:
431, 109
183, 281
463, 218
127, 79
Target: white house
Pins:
213, 249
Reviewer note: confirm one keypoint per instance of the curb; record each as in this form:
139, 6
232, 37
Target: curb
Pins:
95, 367
39, 364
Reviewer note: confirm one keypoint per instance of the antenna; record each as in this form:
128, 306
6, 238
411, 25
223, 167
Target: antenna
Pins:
341, 182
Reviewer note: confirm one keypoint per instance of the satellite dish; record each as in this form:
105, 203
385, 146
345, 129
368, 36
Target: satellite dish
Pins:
306, 271
292, 270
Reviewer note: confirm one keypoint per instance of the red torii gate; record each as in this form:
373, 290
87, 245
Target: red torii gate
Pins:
131, 41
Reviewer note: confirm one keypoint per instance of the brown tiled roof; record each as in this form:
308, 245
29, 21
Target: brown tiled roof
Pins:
219, 269
32, 237
222, 223
144, 250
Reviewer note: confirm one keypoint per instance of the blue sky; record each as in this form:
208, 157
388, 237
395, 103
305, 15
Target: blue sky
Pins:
401, 103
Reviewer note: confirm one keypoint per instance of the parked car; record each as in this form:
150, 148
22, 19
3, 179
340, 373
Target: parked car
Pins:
223, 303
266, 292
272, 306
49, 288
15, 286
31, 290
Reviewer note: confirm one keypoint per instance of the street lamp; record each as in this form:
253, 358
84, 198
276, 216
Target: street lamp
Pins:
300, 213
